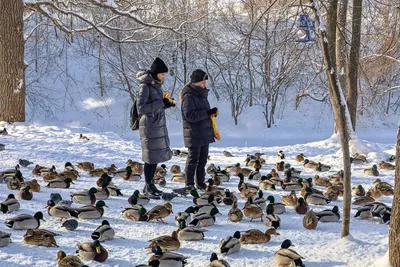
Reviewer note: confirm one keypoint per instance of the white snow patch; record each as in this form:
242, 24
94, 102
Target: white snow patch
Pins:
92, 103
384, 261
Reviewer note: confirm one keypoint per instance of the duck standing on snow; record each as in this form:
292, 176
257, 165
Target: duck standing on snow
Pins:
34, 185
92, 251
206, 219
260, 200
235, 214
184, 216
159, 212
359, 201
322, 167
10, 204
255, 236
215, 262
40, 237
229, 198
103, 232
166, 242
138, 199
287, 257
372, 171
310, 220
329, 215
25, 193
230, 244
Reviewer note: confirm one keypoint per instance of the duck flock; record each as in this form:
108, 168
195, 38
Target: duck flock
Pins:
246, 201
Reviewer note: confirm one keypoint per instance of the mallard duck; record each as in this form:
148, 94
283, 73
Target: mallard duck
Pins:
5, 239
315, 199
255, 236
292, 186
40, 237
179, 178
252, 210
69, 167
206, 219
37, 170
10, 172
205, 208
300, 157
266, 183
215, 262
386, 166
360, 156
331, 193
245, 171
184, 216
136, 213
310, 220
255, 175
161, 170
235, 214
287, 257
103, 232
84, 197
392, 158
229, 198
13, 183
356, 161
175, 169
186, 233
246, 189
306, 182
250, 161
25, 193
289, 200
166, 242
232, 168
48, 173
159, 212
337, 176
230, 244
329, 215
372, 171
322, 167
375, 193
3, 132
279, 208
303, 191
71, 174
322, 181
260, 200
358, 191
160, 180
92, 251
138, 199
34, 185
274, 173
85, 166
222, 175
60, 211
228, 154
272, 220
280, 155
203, 199
102, 193
385, 189
68, 261
280, 166
310, 164
91, 211
360, 201
167, 258
104, 180
98, 172
10, 204
113, 189
301, 206
60, 183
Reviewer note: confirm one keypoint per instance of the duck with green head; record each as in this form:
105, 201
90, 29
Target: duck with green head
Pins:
266, 183
260, 200
25, 193
138, 199
286, 256
230, 244
229, 198
92, 251
85, 197
207, 219
136, 213
272, 219
167, 258
301, 206
91, 211
279, 208
10, 204
186, 233
185, 216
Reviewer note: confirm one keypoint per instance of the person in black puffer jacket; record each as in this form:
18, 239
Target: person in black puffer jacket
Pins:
197, 128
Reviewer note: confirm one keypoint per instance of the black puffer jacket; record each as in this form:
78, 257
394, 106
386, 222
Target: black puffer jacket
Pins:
152, 125
197, 128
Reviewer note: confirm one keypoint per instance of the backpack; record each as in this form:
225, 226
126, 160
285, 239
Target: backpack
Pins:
135, 117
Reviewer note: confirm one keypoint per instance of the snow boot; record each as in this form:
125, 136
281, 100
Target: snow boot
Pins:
148, 192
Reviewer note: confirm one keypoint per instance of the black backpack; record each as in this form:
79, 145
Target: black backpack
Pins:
135, 117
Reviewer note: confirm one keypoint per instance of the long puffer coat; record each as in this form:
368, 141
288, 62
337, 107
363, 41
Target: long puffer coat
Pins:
197, 127
152, 125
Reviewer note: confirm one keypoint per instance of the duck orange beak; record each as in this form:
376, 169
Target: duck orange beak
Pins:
98, 250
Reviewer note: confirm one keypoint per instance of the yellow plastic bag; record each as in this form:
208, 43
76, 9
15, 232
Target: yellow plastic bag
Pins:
168, 95
217, 135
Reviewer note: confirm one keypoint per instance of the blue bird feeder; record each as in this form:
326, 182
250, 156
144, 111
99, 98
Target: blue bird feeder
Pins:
306, 29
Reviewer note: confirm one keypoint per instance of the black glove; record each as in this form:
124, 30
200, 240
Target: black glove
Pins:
212, 111
168, 103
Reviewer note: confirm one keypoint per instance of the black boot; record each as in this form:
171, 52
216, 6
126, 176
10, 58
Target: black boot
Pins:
154, 188
201, 186
149, 192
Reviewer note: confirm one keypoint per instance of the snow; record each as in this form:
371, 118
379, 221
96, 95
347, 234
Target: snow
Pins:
48, 144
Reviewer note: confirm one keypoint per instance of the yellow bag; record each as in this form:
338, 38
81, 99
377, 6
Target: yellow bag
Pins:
214, 125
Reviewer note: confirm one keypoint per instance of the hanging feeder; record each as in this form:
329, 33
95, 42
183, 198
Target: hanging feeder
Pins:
306, 29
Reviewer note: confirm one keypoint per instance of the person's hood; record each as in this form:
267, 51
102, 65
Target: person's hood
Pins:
195, 90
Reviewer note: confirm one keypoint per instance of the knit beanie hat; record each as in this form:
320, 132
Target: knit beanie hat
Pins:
158, 66
198, 76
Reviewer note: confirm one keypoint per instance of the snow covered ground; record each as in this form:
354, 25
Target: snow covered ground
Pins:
54, 145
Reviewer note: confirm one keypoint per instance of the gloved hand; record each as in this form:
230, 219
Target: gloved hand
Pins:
168, 103
212, 111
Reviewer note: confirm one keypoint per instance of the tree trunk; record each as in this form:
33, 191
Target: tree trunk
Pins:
341, 42
394, 232
331, 22
341, 118
12, 66
352, 74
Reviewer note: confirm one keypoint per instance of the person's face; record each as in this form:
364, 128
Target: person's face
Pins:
161, 76
202, 84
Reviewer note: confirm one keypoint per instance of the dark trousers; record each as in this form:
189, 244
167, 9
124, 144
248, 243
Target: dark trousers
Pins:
195, 165
149, 171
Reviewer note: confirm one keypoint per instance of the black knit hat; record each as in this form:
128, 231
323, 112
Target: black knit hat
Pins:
198, 76
158, 66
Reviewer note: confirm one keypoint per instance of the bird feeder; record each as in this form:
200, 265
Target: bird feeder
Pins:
306, 29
